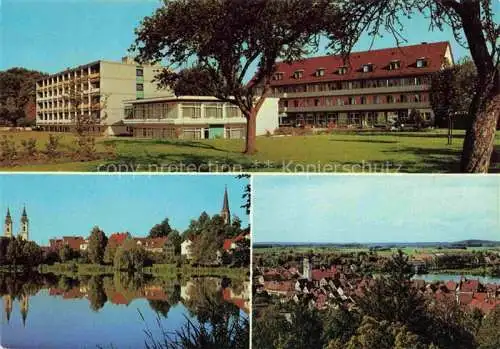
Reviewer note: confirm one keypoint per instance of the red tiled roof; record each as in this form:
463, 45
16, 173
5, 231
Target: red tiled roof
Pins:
279, 286
380, 59
117, 239
469, 286
451, 285
228, 242
152, 242
318, 274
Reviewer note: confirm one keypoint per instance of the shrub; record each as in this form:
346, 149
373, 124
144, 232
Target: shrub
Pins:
8, 149
52, 146
29, 146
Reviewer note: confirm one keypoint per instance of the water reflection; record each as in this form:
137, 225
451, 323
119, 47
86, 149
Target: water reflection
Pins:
202, 300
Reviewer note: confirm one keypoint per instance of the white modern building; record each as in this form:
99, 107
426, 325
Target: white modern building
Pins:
194, 117
96, 89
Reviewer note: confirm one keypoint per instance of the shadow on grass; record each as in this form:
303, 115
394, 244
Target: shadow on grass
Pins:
172, 142
443, 160
362, 141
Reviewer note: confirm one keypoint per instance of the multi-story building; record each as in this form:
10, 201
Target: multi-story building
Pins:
194, 117
96, 89
369, 89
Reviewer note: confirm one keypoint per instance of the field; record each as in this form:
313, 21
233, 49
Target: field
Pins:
410, 251
342, 151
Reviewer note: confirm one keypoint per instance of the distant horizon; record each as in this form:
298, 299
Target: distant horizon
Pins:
371, 243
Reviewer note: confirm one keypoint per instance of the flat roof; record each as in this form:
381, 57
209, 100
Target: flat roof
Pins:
173, 98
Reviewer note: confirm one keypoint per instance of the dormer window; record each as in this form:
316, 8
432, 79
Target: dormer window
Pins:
320, 72
395, 65
421, 63
342, 70
367, 68
278, 76
298, 74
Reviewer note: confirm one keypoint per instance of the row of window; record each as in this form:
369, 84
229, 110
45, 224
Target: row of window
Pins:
192, 111
343, 70
60, 92
68, 76
340, 101
61, 116
355, 84
191, 133
63, 104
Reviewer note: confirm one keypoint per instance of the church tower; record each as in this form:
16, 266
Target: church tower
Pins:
225, 213
7, 227
24, 233
307, 270
24, 307
7, 305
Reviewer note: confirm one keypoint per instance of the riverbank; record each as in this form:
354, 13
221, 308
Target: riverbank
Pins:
157, 270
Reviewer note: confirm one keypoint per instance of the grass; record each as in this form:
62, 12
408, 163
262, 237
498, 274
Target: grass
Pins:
342, 151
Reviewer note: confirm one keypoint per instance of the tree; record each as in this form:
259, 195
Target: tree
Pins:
160, 230
226, 38
193, 81
97, 245
17, 91
130, 257
487, 336
96, 295
176, 239
65, 253
452, 90
109, 253
476, 19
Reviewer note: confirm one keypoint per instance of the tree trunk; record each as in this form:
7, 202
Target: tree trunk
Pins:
480, 137
250, 146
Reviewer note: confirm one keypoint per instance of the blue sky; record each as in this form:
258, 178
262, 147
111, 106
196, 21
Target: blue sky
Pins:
72, 204
340, 209
51, 35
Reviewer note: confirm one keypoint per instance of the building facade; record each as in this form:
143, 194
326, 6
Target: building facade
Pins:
370, 89
194, 117
23, 228
96, 89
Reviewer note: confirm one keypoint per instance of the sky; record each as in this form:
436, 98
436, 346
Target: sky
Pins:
376, 209
52, 35
69, 205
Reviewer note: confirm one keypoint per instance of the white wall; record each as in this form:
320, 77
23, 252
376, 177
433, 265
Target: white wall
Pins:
267, 118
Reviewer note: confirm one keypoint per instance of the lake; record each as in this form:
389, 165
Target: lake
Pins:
113, 311
456, 278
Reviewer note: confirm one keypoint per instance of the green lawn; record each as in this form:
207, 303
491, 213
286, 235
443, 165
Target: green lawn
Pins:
409, 152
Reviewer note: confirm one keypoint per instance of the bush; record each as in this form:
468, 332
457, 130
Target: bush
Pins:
29, 146
8, 149
52, 146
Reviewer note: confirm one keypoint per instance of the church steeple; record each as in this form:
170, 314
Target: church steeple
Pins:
7, 227
24, 233
225, 213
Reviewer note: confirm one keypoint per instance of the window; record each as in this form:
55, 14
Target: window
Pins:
192, 111
316, 102
367, 68
416, 98
394, 65
421, 63
285, 104
233, 111
390, 99
139, 87
213, 110
363, 100
403, 99
340, 101
139, 72
278, 76
352, 100
320, 72
342, 70
298, 74
376, 100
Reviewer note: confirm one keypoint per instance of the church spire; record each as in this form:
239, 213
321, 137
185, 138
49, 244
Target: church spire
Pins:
225, 213
24, 233
7, 227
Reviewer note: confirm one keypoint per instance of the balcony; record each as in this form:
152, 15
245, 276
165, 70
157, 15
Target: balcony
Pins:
355, 107
356, 91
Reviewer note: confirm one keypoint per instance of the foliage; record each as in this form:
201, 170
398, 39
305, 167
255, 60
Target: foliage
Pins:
17, 91
52, 146
160, 230
96, 295
130, 257
65, 254
452, 90
18, 252
175, 238
97, 245
487, 336
247, 194
109, 253
227, 38
193, 81
8, 149
29, 146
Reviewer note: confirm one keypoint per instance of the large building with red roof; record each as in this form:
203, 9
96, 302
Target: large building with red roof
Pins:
371, 88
